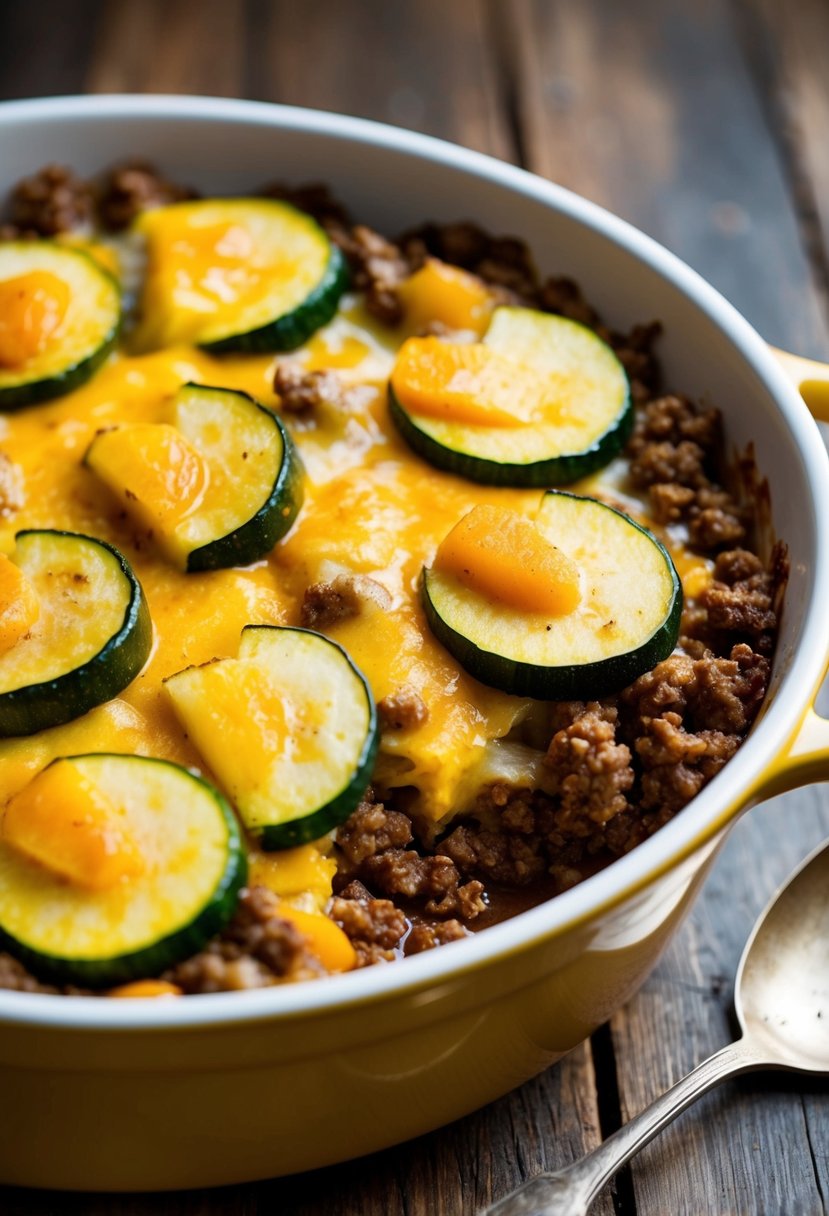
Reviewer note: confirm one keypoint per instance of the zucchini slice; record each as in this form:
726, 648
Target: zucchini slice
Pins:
90, 635
114, 867
289, 728
625, 622
219, 487
60, 313
568, 395
239, 274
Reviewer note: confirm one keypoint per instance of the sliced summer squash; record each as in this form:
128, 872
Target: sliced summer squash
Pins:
289, 728
88, 636
240, 274
60, 313
541, 401
218, 486
624, 621
114, 867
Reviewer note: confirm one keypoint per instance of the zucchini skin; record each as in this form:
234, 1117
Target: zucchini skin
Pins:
258, 535
150, 960
541, 474
36, 392
36, 707
292, 329
588, 681
275, 836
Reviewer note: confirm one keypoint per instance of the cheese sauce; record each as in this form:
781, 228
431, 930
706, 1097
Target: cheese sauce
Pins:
371, 507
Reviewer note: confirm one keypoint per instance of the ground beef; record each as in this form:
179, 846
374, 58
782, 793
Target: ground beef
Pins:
739, 609
12, 493
372, 845
661, 463
673, 453
510, 858
369, 830
741, 604
373, 926
710, 693
51, 201
673, 419
316, 199
617, 775
433, 879
378, 267
14, 976
345, 596
302, 392
17, 978
135, 187
715, 519
564, 296
591, 772
257, 949
670, 502
677, 763
402, 710
428, 934
635, 351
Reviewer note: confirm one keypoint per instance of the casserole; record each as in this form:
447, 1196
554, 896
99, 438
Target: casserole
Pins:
173, 1094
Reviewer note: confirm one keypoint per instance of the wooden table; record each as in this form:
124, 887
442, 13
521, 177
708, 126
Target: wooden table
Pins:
705, 124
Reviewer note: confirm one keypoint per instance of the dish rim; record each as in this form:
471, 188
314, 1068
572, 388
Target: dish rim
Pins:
714, 808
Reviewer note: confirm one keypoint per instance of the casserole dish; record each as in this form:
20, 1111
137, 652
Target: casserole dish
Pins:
152, 1095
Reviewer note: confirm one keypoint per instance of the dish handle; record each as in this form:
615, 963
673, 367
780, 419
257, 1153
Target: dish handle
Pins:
810, 378
806, 758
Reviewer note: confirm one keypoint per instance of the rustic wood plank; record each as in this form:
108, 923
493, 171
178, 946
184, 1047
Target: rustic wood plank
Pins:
785, 48
34, 65
648, 108
425, 66
169, 46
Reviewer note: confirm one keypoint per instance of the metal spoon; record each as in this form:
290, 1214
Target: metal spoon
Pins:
781, 999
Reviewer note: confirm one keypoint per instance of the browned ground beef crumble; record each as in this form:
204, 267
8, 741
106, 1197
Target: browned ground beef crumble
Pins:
402, 710
258, 948
301, 392
618, 769
347, 595
51, 201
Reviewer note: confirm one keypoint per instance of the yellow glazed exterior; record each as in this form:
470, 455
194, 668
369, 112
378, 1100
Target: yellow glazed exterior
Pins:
174, 1093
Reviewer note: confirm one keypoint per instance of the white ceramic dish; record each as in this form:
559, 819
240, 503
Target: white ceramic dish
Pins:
217, 1089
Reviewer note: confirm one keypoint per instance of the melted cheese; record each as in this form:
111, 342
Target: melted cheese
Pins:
371, 507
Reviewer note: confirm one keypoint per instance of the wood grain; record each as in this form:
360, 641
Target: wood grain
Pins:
169, 46
384, 62
36, 63
650, 109
705, 125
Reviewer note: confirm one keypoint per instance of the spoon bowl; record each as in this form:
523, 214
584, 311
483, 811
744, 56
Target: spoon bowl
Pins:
782, 987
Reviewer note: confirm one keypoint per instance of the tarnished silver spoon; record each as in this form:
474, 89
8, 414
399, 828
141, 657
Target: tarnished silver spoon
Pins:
781, 999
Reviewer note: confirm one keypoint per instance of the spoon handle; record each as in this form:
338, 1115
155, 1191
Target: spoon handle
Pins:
570, 1191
